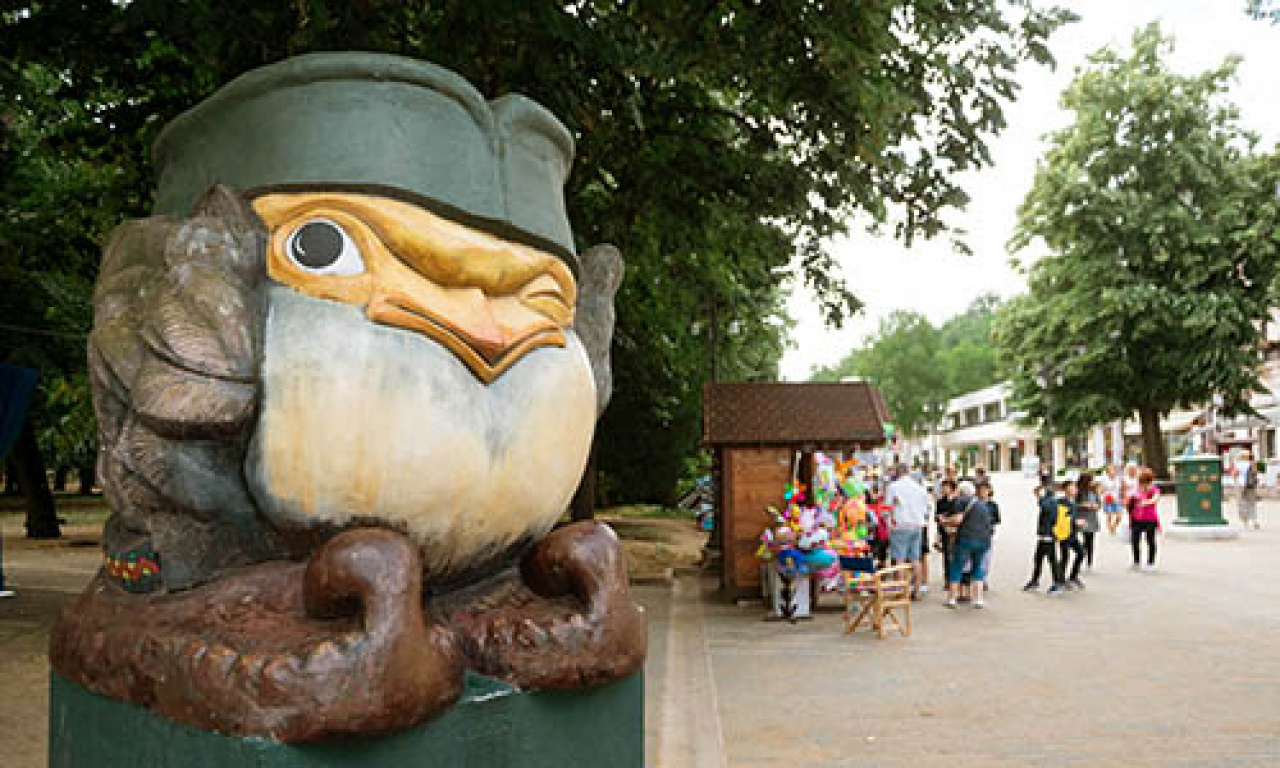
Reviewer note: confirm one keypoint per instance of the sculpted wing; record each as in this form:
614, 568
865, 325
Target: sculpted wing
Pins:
174, 359
601, 274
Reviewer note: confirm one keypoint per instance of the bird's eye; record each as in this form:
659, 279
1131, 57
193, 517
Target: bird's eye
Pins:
323, 247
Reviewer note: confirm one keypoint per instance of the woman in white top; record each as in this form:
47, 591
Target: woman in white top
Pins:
1128, 485
1112, 497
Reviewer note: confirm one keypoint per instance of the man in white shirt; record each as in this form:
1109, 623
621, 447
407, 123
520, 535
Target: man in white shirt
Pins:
1246, 473
911, 508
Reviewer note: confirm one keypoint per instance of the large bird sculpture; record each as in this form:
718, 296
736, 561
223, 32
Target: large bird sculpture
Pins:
339, 421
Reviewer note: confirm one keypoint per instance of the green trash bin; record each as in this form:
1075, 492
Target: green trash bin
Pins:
1199, 481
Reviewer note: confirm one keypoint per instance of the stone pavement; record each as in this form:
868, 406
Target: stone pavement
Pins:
1177, 668
45, 578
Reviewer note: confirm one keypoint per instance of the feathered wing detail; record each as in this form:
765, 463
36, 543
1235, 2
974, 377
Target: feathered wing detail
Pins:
601, 274
174, 357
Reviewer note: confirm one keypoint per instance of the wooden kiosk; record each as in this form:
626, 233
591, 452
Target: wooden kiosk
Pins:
754, 431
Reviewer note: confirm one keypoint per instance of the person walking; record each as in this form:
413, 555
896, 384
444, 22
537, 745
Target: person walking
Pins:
1087, 504
1066, 529
1144, 519
1247, 478
1112, 498
909, 505
1128, 488
1046, 543
972, 520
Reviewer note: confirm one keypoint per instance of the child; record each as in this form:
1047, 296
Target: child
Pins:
1046, 543
1112, 498
1066, 529
1088, 505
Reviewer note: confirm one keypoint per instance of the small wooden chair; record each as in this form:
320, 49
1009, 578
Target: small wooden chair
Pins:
880, 595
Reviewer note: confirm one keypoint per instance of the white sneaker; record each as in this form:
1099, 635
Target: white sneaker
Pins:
1150, 569
978, 604
951, 602
924, 589
8, 593
1135, 567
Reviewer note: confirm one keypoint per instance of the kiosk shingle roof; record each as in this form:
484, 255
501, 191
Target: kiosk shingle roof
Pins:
787, 413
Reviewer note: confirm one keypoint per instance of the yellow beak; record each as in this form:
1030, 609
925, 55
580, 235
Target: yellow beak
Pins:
487, 300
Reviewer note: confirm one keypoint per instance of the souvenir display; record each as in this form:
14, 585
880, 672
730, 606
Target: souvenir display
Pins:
814, 531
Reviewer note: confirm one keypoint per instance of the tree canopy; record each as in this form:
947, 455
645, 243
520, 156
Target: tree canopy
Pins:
1264, 9
1163, 231
918, 366
719, 146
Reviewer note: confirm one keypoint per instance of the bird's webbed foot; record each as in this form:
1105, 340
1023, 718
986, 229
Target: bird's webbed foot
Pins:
563, 620
294, 651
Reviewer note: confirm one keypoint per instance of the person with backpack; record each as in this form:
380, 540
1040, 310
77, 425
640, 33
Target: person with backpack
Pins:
1046, 543
1247, 477
1069, 521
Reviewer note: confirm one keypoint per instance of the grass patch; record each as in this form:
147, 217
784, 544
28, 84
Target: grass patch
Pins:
73, 510
650, 511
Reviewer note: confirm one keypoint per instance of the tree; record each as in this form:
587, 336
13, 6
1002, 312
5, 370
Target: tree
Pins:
902, 362
1264, 9
966, 350
919, 367
1163, 232
719, 145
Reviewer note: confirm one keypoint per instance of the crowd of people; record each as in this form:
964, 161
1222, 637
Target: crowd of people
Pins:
961, 517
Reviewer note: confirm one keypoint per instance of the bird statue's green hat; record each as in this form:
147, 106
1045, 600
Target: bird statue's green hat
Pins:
382, 123
352, 366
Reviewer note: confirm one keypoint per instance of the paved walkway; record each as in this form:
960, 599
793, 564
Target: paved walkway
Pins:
1176, 668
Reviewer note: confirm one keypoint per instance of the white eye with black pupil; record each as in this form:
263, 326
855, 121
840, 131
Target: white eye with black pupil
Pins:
325, 248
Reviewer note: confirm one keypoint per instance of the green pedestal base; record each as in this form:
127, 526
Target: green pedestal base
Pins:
493, 726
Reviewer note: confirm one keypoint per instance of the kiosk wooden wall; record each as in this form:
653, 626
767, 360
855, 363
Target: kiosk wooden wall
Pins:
753, 480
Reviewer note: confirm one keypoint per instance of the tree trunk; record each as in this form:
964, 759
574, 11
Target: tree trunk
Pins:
87, 477
583, 506
1154, 452
42, 516
10, 479
60, 479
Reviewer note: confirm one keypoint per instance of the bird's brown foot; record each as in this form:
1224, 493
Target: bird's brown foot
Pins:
339, 645
565, 620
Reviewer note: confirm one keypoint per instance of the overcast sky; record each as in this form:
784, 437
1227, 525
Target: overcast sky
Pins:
932, 279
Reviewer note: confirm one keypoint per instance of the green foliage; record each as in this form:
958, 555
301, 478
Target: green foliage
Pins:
719, 146
1264, 9
1163, 231
919, 367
